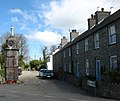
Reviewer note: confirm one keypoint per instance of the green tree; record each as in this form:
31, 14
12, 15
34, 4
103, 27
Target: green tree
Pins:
2, 55
26, 66
34, 64
44, 51
21, 63
44, 60
1, 60
23, 46
23, 49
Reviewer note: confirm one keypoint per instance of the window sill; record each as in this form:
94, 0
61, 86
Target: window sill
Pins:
96, 48
112, 43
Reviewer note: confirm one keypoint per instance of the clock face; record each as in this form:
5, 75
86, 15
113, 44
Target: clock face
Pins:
10, 44
9, 53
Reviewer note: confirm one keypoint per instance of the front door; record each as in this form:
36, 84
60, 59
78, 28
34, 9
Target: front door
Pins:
98, 70
78, 70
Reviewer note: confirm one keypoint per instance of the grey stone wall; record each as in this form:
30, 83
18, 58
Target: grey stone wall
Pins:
57, 62
118, 41
108, 90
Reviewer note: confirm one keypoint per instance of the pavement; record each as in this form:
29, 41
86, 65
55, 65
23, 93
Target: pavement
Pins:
34, 88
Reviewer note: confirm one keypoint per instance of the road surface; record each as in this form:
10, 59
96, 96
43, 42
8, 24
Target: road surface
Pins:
35, 89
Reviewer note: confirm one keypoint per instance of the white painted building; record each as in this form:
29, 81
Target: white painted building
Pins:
50, 60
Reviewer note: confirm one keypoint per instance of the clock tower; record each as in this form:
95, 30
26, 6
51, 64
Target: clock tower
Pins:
11, 58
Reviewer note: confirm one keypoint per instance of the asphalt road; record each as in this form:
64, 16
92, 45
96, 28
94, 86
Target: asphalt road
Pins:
35, 89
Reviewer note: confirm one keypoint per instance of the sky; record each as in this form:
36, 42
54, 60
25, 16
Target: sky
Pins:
45, 22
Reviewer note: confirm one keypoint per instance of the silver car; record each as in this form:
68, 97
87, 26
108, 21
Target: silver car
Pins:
46, 73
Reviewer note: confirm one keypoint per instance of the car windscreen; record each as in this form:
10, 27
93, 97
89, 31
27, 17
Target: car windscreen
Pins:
47, 71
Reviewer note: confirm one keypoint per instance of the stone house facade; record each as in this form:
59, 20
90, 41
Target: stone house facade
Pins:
93, 53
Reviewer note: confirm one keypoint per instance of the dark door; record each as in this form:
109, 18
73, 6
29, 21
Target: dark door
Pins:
98, 70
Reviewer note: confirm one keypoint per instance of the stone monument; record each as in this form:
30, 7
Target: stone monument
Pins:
11, 57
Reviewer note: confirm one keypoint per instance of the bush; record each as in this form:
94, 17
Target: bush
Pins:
26, 66
2, 72
34, 64
33, 69
115, 76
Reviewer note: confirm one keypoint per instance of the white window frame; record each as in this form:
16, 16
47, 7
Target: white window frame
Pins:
87, 67
86, 44
113, 63
96, 41
69, 52
78, 48
112, 34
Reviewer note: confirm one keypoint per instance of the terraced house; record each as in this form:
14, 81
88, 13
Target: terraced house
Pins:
89, 58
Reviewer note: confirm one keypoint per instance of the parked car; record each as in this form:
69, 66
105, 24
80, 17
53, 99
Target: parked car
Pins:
46, 73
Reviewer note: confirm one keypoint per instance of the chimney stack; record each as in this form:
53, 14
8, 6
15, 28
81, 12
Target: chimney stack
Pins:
101, 15
12, 31
91, 21
73, 34
63, 41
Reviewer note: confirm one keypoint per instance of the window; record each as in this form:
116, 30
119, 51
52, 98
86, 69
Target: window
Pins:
96, 40
86, 44
69, 52
64, 54
87, 66
77, 48
112, 34
113, 62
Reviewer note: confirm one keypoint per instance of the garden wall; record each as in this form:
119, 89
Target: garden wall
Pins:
108, 90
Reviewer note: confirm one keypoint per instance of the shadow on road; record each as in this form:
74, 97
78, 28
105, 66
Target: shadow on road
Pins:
65, 86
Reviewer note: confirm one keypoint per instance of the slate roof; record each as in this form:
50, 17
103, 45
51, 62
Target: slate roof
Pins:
115, 16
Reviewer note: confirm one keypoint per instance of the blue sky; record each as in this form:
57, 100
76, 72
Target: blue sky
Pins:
45, 22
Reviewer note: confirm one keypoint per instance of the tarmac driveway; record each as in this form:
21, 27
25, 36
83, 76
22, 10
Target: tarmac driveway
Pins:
35, 89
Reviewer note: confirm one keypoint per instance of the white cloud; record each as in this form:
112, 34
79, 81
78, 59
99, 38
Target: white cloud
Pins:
23, 26
16, 11
47, 38
31, 17
69, 14
59, 14
27, 19
15, 19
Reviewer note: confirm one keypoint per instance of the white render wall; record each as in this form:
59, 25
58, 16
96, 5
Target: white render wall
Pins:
50, 63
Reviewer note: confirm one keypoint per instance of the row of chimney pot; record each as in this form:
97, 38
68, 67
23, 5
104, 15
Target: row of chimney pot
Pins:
73, 35
97, 18
94, 20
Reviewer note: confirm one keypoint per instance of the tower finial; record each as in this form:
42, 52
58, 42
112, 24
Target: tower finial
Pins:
12, 31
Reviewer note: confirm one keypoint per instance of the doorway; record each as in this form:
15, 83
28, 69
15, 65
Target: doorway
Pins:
98, 70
